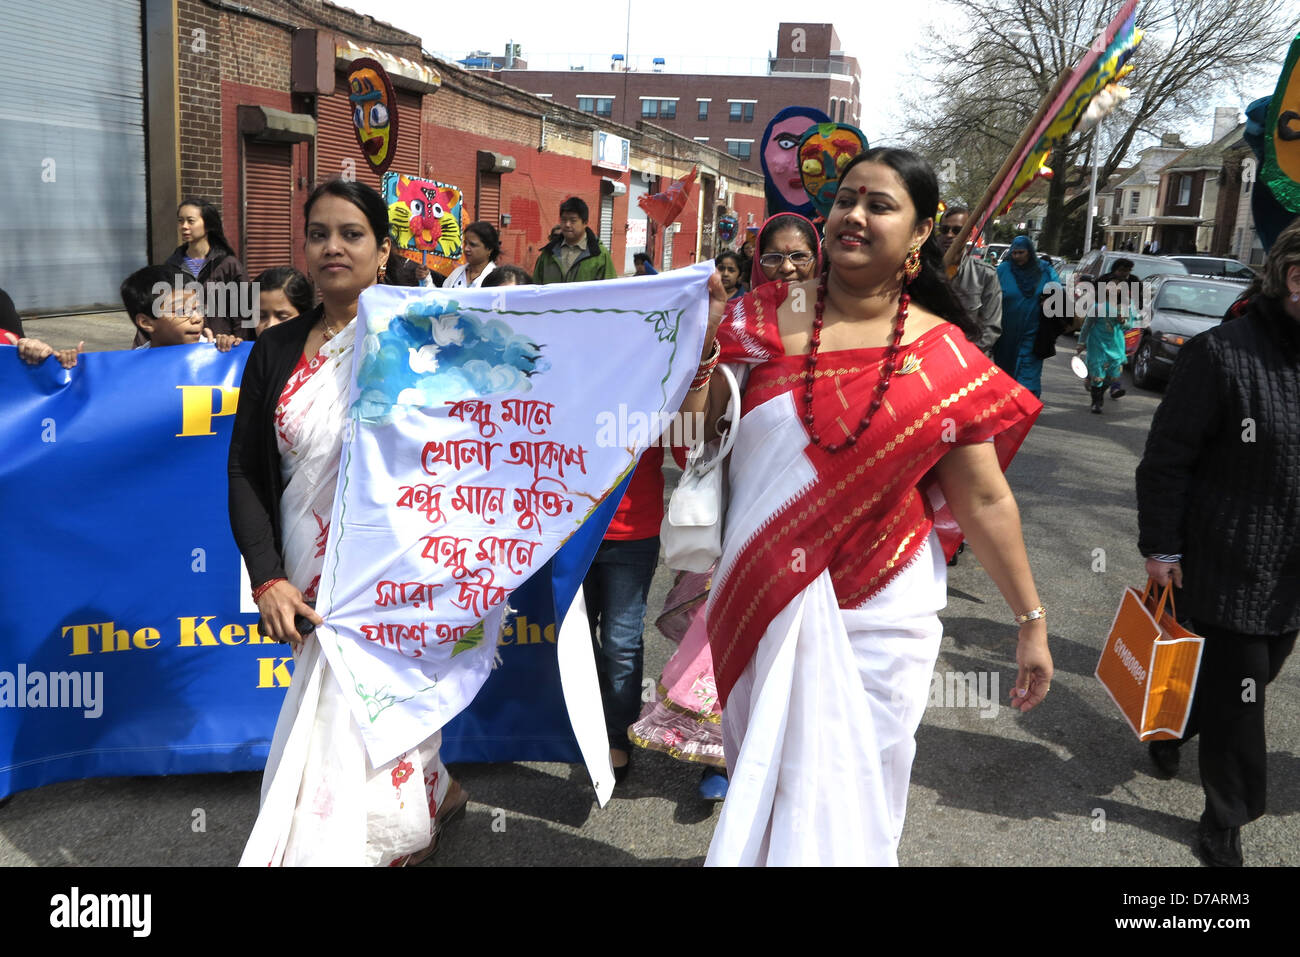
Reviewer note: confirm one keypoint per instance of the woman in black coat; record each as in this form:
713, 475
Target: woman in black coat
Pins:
205, 255
1218, 494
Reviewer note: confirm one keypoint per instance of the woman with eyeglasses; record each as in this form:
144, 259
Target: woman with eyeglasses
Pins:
684, 720
788, 249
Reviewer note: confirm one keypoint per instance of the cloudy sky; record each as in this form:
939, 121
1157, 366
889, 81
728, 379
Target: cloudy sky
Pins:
882, 34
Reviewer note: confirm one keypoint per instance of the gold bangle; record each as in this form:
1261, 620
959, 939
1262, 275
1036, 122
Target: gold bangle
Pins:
1032, 615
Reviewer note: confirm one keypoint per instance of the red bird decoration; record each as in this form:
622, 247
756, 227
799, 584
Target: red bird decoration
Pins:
664, 207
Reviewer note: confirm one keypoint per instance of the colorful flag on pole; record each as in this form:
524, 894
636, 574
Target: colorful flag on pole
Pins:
1105, 63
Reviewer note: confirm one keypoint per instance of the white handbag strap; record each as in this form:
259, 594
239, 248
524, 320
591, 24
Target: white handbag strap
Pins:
729, 436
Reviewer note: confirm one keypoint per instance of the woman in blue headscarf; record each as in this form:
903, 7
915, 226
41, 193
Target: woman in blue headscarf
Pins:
1022, 276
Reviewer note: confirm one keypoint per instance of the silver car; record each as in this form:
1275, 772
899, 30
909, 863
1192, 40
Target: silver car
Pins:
1178, 308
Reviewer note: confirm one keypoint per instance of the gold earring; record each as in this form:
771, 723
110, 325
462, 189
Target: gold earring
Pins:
912, 265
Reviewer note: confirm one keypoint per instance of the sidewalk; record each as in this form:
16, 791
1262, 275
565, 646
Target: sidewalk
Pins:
101, 331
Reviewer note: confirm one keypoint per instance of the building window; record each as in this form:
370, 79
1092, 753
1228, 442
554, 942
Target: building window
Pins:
740, 148
1185, 190
668, 109
596, 105
1133, 199
701, 139
704, 109
741, 112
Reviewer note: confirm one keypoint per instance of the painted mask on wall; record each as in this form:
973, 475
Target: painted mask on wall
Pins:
374, 112
824, 150
727, 226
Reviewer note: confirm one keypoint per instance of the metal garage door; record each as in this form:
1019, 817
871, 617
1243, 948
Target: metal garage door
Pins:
73, 213
268, 206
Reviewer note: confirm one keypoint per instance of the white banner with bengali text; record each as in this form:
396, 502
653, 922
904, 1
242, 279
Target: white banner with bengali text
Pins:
485, 426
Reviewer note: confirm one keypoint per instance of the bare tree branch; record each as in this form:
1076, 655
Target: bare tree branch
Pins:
991, 79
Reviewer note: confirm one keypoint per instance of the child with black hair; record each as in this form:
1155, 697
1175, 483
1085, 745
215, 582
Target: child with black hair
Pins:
166, 311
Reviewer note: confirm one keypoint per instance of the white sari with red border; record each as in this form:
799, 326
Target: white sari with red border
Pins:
322, 802
823, 616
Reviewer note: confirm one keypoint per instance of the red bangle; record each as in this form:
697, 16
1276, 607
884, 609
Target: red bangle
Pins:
262, 589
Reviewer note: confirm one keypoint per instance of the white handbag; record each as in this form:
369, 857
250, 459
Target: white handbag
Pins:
691, 533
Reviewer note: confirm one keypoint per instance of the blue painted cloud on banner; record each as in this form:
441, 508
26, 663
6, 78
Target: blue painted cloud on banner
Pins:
432, 353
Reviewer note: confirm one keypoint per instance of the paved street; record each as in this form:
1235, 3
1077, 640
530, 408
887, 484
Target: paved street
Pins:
1066, 784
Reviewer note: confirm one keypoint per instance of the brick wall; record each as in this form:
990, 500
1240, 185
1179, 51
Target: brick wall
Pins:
773, 93
201, 41
235, 59
255, 53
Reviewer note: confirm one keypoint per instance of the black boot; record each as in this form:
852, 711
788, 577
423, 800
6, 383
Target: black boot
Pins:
1219, 846
1098, 396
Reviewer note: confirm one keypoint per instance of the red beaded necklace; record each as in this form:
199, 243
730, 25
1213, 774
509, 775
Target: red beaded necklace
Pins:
886, 372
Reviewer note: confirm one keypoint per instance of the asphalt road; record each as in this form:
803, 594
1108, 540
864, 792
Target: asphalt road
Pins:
1065, 784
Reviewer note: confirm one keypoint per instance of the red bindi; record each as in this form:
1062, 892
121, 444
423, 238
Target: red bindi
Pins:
862, 189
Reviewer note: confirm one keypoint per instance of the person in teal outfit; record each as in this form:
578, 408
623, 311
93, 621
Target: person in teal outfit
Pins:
1102, 334
1023, 277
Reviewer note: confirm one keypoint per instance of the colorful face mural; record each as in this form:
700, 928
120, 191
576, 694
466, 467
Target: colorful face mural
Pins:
374, 112
779, 153
727, 227
824, 150
424, 220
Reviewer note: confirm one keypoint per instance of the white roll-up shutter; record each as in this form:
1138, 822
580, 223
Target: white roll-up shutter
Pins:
74, 211
606, 221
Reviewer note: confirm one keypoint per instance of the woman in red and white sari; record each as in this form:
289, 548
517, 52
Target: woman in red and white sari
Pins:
873, 435
322, 802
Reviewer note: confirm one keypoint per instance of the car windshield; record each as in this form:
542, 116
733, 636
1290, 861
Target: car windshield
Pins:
1144, 266
1199, 299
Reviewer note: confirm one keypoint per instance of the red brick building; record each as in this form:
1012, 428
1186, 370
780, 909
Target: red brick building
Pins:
264, 116
728, 112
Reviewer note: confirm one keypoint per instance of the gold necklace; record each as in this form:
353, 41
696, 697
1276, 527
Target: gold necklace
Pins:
329, 333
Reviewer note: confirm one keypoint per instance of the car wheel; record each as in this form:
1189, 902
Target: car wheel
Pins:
1142, 367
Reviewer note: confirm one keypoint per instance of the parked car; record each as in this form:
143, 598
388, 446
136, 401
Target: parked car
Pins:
1217, 267
1179, 308
994, 252
1097, 263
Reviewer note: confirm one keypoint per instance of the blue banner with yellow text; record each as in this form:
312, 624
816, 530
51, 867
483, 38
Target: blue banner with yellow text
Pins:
122, 647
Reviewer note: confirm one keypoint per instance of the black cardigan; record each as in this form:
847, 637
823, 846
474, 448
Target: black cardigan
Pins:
253, 467
1219, 482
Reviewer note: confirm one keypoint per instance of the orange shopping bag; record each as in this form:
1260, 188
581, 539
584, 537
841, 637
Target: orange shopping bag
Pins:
1149, 665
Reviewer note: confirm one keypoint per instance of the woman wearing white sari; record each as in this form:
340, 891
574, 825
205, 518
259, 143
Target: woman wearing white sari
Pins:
322, 802
871, 428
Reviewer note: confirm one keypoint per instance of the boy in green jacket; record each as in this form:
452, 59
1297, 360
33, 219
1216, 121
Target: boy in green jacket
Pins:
577, 256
